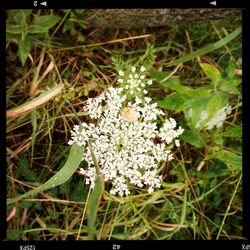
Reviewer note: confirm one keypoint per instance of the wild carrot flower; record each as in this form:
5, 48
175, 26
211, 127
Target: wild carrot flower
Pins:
216, 121
123, 138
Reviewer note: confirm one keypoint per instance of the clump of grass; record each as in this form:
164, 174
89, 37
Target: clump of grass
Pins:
200, 197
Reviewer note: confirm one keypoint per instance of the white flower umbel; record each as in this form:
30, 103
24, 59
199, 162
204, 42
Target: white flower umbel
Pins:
216, 121
134, 81
219, 118
124, 141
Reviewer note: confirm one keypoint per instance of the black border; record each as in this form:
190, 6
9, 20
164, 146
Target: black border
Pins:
3, 190
103, 245
126, 245
69, 4
246, 123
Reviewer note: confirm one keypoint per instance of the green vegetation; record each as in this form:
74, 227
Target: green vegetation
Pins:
54, 64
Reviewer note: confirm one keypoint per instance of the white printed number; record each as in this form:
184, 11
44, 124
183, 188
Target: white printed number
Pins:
35, 3
116, 247
27, 247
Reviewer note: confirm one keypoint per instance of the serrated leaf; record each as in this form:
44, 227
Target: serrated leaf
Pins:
63, 175
24, 48
42, 24
175, 101
194, 138
229, 158
235, 131
211, 72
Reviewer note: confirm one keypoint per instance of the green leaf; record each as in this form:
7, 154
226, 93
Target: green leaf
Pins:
230, 71
194, 138
14, 234
196, 114
229, 158
67, 25
235, 131
42, 24
69, 168
159, 75
14, 29
175, 101
92, 206
218, 139
174, 84
230, 86
211, 72
80, 37
28, 174
216, 102
24, 48
19, 16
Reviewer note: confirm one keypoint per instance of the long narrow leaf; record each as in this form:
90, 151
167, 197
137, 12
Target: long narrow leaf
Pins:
74, 159
92, 206
41, 99
207, 49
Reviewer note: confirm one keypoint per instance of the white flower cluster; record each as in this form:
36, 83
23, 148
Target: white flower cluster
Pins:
136, 80
124, 141
216, 121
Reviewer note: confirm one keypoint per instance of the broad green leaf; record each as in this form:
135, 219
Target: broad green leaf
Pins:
196, 115
216, 102
229, 86
92, 206
159, 75
211, 72
42, 24
207, 49
175, 101
63, 175
229, 158
174, 84
194, 138
24, 48
235, 131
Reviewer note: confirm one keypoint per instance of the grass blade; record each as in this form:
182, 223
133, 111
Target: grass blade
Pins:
207, 49
94, 198
92, 206
74, 159
41, 99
